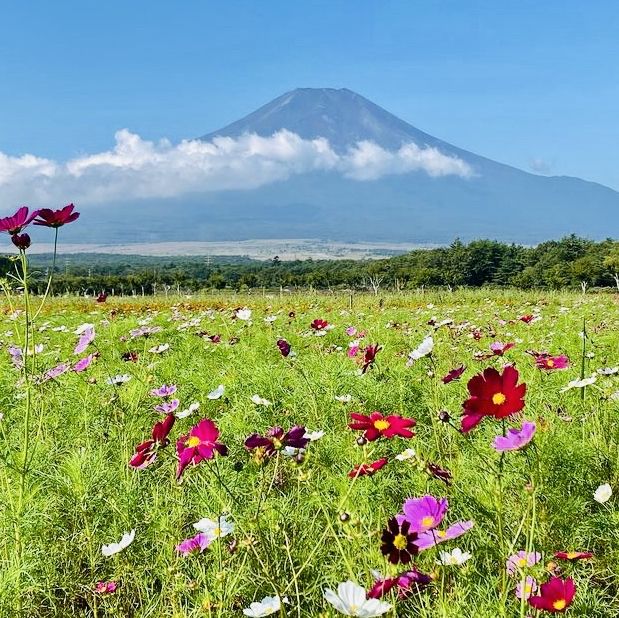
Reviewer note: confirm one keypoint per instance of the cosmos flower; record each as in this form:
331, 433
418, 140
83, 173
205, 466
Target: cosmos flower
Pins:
376, 425
21, 241
159, 349
405, 583
56, 218
84, 363
603, 493
579, 384
266, 607
351, 600
196, 543
551, 363
260, 401
521, 560
573, 555
118, 379
455, 557
277, 439
498, 348
556, 595
55, 372
146, 452
199, 444
86, 338
424, 513
319, 326
492, 394
424, 349
524, 589
105, 587
454, 374
243, 314
369, 356
218, 393
368, 469
17, 222
114, 548
434, 537
284, 347
515, 438
398, 542
194, 407
167, 407
164, 391
215, 529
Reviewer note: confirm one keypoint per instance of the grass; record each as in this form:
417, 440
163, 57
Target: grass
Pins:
303, 527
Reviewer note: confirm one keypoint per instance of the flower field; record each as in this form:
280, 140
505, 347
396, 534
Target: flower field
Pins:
427, 455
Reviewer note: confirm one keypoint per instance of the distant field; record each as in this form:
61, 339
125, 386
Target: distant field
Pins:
304, 521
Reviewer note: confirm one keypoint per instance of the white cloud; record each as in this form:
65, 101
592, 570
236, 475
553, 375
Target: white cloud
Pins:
140, 169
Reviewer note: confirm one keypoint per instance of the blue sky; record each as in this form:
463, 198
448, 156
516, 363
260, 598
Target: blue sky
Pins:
533, 84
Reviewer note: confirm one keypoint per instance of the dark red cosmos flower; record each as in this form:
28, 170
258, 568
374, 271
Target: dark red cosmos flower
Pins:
369, 355
454, 374
146, 452
276, 439
368, 469
439, 473
57, 218
21, 241
17, 222
319, 324
102, 297
556, 595
130, 356
573, 555
284, 347
376, 425
405, 583
398, 542
492, 394
200, 443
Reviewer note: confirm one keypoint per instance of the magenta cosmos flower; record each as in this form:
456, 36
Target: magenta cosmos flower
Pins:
548, 362
555, 596
17, 222
197, 543
424, 513
200, 443
105, 587
277, 439
369, 356
56, 218
498, 348
146, 452
515, 438
454, 374
376, 425
406, 583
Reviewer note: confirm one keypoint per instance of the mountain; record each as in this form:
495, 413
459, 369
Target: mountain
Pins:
413, 205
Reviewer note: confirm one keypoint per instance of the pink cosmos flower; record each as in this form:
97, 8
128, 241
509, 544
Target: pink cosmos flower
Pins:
527, 588
353, 348
167, 407
86, 338
515, 438
199, 444
431, 538
424, 513
105, 587
498, 348
521, 560
56, 218
17, 222
84, 363
351, 331
165, 390
197, 543
55, 372
550, 363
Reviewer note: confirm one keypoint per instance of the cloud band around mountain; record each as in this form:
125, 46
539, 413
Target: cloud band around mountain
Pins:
140, 169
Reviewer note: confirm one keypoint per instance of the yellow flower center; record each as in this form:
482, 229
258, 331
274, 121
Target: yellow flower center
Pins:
528, 588
193, 441
381, 424
217, 532
441, 533
559, 604
277, 444
400, 541
427, 521
522, 562
498, 399
571, 555
550, 362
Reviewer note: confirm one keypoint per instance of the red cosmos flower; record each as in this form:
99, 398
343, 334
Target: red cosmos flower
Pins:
146, 452
200, 443
21, 241
319, 324
492, 394
368, 469
17, 222
454, 374
556, 595
369, 355
376, 425
573, 555
57, 218
527, 319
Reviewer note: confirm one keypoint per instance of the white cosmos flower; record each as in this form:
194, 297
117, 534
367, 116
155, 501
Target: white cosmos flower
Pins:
608, 371
114, 548
217, 393
266, 607
190, 410
409, 453
312, 436
603, 493
456, 557
243, 314
424, 348
351, 600
160, 349
214, 529
83, 328
343, 398
119, 379
269, 320
260, 401
579, 383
